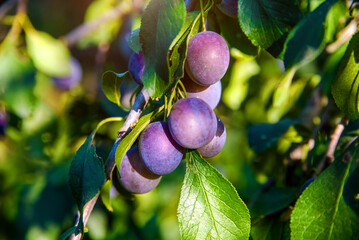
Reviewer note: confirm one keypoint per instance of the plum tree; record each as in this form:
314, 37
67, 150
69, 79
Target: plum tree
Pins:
217, 143
136, 66
207, 58
229, 7
192, 123
134, 176
159, 152
68, 82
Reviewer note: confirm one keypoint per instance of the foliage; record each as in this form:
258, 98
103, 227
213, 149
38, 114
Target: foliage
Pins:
290, 90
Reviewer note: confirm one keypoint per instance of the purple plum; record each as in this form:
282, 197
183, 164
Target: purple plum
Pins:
134, 176
136, 66
68, 82
192, 123
159, 152
229, 7
216, 144
207, 58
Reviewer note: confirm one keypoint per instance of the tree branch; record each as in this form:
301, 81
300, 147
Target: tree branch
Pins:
71, 38
140, 103
329, 155
6, 7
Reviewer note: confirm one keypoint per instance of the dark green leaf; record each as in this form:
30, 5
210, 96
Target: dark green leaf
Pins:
234, 35
209, 206
345, 88
307, 40
49, 55
271, 228
128, 141
265, 135
111, 85
271, 201
265, 21
322, 212
87, 174
162, 21
134, 40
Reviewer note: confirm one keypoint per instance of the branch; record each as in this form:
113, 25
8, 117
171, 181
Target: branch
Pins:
140, 102
329, 155
6, 7
71, 38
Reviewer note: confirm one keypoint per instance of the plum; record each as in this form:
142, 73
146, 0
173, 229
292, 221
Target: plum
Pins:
211, 95
229, 7
207, 58
134, 176
136, 66
192, 123
68, 82
159, 152
216, 144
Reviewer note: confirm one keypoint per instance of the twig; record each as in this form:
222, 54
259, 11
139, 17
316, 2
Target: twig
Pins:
71, 38
136, 110
6, 7
329, 155
344, 36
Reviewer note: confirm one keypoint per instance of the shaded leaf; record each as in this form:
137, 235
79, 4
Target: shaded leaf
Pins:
265, 135
67, 233
271, 228
321, 212
209, 206
162, 21
49, 55
111, 82
345, 88
307, 40
265, 21
134, 40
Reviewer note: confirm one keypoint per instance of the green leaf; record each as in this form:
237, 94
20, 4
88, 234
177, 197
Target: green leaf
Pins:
106, 195
265, 135
209, 206
281, 94
86, 173
265, 21
234, 35
134, 40
128, 141
307, 40
111, 82
162, 21
345, 88
49, 55
178, 50
67, 233
271, 201
106, 32
271, 228
322, 212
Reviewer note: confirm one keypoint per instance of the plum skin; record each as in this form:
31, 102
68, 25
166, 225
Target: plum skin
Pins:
207, 58
134, 176
192, 123
211, 95
217, 143
229, 7
136, 66
159, 152
68, 82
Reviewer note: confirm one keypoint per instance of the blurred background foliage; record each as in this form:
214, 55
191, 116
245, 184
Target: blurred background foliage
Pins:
42, 126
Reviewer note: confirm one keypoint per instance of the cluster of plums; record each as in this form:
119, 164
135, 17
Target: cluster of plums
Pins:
192, 123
